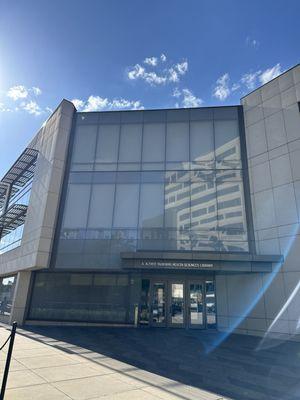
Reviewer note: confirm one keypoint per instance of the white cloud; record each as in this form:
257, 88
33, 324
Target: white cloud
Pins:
222, 90
97, 103
270, 74
171, 74
137, 72
79, 104
17, 92
190, 100
186, 98
182, 67
250, 79
235, 87
154, 79
3, 108
36, 90
176, 92
126, 104
32, 107
151, 61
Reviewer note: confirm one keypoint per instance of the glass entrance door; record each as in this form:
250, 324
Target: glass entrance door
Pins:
158, 307
176, 304
196, 310
182, 303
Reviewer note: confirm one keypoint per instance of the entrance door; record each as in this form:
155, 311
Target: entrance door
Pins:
158, 304
196, 310
181, 303
176, 317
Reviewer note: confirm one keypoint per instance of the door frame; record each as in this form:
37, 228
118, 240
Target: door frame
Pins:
169, 311
186, 281
189, 325
152, 284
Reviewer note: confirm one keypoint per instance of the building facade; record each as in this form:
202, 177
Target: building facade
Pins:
168, 218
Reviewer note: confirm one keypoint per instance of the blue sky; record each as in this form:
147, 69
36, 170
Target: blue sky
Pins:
109, 54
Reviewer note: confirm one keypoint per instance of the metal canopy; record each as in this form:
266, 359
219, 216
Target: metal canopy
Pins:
20, 173
3, 192
13, 218
201, 261
23, 169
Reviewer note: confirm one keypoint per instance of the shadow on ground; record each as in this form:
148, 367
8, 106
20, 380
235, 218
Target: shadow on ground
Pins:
234, 369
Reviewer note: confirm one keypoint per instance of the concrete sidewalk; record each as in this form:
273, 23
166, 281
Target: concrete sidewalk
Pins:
42, 369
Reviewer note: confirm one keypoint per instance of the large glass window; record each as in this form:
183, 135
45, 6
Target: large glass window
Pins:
130, 143
108, 142
204, 211
81, 297
154, 143
126, 206
151, 205
77, 206
101, 207
202, 141
227, 143
177, 141
85, 144
157, 185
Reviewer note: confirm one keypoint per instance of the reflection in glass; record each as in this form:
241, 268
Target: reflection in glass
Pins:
85, 144
7, 287
159, 303
227, 144
153, 143
151, 205
107, 145
16, 195
130, 143
102, 198
178, 141
202, 141
144, 302
177, 210
126, 206
179, 184
80, 297
77, 205
210, 302
177, 303
196, 303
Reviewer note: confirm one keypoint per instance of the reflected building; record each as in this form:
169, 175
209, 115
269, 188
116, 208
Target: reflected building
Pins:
166, 218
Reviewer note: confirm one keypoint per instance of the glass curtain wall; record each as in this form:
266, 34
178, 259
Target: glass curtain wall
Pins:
83, 297
153, 180
13, 239
7, 288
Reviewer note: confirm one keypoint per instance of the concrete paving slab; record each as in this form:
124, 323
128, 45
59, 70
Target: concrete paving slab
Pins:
136, 394
23, 378
14, 365
46, 361
87, 388
66, 372
37, 392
